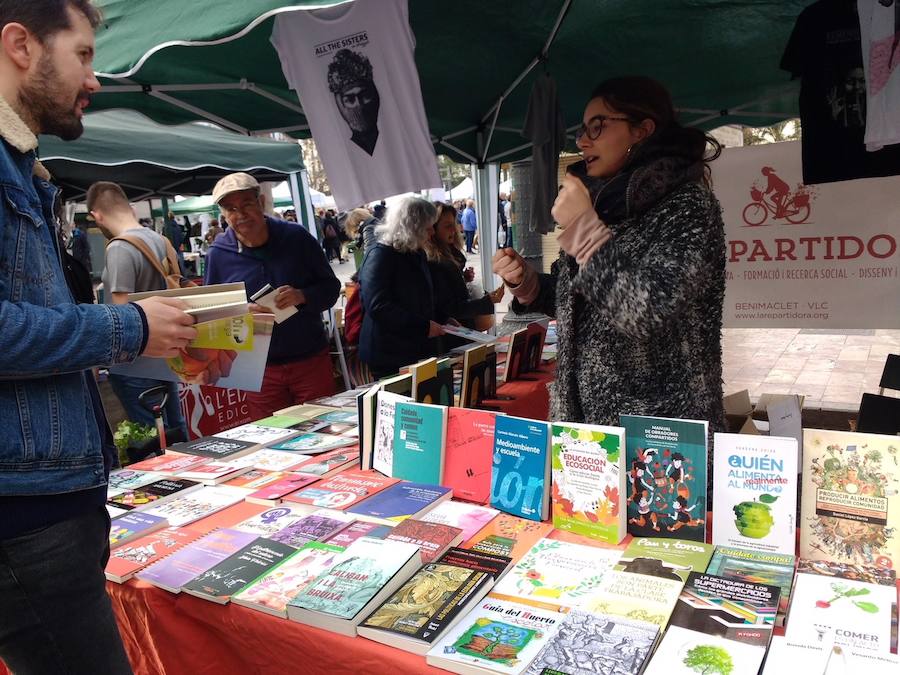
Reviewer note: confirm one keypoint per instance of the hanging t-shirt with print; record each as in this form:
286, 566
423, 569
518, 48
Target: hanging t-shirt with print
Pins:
353, 69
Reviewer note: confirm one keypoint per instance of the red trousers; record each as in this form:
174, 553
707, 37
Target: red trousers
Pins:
292, 383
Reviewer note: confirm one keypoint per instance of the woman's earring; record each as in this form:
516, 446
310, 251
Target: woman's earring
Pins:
628, 152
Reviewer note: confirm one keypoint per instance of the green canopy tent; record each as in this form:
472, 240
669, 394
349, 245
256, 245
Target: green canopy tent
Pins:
205, 204
148, 159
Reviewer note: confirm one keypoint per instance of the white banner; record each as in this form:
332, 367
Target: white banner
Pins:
806, 256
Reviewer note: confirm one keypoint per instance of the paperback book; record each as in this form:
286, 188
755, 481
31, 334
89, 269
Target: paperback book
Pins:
509, 536
520, 476
383, 445
270, 521
169, 463
313, 443
590, 644
153, 493
431, 538
272, 591
688, 652
328, 463
174, 571
273, 493
850, 510
129, 559
257, 434
272, 460
668, 558
214, 447
419, 436
472, 389
497, 636
470, 518
254, 479
196, 505
755, 492
314, 527
433, 600
356, 530
130, 479
641, 597
468, 453
340, 416
772, 569
361, 578
557, 574
342, 490
213, 473
134, 524
666, 460
238, 570
399, 502
588, 470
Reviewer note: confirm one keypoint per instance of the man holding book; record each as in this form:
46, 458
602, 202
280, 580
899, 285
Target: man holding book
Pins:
55, 445
261, 250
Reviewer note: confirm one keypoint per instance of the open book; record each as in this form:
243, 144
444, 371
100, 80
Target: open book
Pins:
205, 303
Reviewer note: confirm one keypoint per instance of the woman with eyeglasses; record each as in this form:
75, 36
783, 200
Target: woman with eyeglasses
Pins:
638, 288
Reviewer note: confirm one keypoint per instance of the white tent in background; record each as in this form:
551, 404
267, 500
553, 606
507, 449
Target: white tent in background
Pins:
465, 190
319, 199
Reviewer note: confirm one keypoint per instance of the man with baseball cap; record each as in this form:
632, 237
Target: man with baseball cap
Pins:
258, 250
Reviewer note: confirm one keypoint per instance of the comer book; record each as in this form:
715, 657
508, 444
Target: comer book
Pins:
520, 477
589, 480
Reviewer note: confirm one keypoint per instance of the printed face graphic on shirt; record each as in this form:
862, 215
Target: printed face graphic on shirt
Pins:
350, 80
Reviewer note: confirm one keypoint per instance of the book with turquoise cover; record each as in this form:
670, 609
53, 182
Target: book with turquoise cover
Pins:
520, 475
666, 464
420, 430
588, 469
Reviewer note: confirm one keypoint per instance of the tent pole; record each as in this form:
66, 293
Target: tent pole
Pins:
487, 186
199, 111
299, 182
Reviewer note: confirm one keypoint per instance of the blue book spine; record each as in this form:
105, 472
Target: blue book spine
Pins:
519, 482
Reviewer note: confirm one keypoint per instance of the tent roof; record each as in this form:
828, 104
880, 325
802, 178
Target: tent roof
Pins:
720, 59
205, 204
147, 158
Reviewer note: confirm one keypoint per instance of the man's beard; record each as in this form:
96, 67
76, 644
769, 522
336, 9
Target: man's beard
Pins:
44, 99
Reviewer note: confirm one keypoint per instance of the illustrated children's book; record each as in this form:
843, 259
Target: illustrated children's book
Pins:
666, 461
468, 454
620, 646
589, 480
557, 574
667, 558
850, 510
272, 591
520, 479
433, 600
496, 637
361, 578
755, 492
755, 567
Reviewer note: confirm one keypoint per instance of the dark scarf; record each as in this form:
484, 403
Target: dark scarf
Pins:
643, 182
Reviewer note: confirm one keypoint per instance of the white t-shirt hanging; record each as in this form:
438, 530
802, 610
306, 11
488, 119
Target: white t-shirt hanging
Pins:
353, 69
881, 61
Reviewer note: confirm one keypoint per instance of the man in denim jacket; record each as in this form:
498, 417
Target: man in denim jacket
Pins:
55, 445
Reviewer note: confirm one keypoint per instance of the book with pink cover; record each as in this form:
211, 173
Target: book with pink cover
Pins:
470, 518
274, 493
343, 490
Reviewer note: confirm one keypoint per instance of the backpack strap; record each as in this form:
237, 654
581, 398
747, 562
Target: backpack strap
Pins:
150, 255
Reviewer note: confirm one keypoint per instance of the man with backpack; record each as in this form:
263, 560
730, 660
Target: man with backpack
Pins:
136, 258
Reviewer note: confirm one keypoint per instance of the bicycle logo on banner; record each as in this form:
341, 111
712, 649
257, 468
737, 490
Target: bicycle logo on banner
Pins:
777, 202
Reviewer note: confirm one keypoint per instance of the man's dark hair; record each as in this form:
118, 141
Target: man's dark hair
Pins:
44, 18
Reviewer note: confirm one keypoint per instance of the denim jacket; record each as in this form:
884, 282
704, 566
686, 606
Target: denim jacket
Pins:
50, 436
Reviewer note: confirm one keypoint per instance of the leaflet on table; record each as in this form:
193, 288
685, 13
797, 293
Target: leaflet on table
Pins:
469, 334
226, 368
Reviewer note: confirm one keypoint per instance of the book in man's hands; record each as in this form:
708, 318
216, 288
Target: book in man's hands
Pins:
265, 297
205, 303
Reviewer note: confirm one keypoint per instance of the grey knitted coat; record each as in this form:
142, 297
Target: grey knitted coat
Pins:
640, 323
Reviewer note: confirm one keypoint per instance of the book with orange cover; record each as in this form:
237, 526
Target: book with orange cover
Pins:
126, 561
508, 535
469, 453
228, 516
169, 462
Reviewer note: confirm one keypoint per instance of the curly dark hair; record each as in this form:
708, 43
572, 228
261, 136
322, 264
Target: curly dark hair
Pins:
347, 68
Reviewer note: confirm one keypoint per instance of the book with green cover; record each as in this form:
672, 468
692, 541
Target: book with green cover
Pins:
588, 468
420, 430
756, 567
669, 558
635, 596
666, 461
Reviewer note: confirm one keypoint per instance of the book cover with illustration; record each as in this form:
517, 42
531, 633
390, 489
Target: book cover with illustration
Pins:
196, 505
431, 538
272, 460
314, 527
400, 501
666, 464
358, 575
343, 490
255, 479
272, 591
273, 493
668, 558
616, 645
855, 615
213, 447
689, 652
192, 560
212, 472
155, 492
221, 581
588, 469
129, 559
470, 518
557, 574
433, 600
520, 475
432, 382
168, 463
497, 636
755, 492
420, 430
329, 463
642, 597
314, 443
257, 434
509, 536
829, 568
383, 431
771, 569
130, 479
850, 504
468, 453
516, 356
135, 524
340, 416
356, 530
472, 381
270, 521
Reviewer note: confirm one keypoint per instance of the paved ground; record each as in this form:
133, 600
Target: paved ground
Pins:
831, 368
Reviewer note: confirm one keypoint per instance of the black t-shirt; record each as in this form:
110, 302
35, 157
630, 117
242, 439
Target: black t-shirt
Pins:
825, 50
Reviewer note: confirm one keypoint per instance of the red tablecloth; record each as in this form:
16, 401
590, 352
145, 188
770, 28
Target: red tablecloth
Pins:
529, 397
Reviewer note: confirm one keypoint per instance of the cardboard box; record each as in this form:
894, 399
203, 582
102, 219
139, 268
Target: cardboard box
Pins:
741, 415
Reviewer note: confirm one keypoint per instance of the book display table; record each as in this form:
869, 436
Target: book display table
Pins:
529, 397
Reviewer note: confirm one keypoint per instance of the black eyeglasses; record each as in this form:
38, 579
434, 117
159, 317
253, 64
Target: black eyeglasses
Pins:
595, 125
